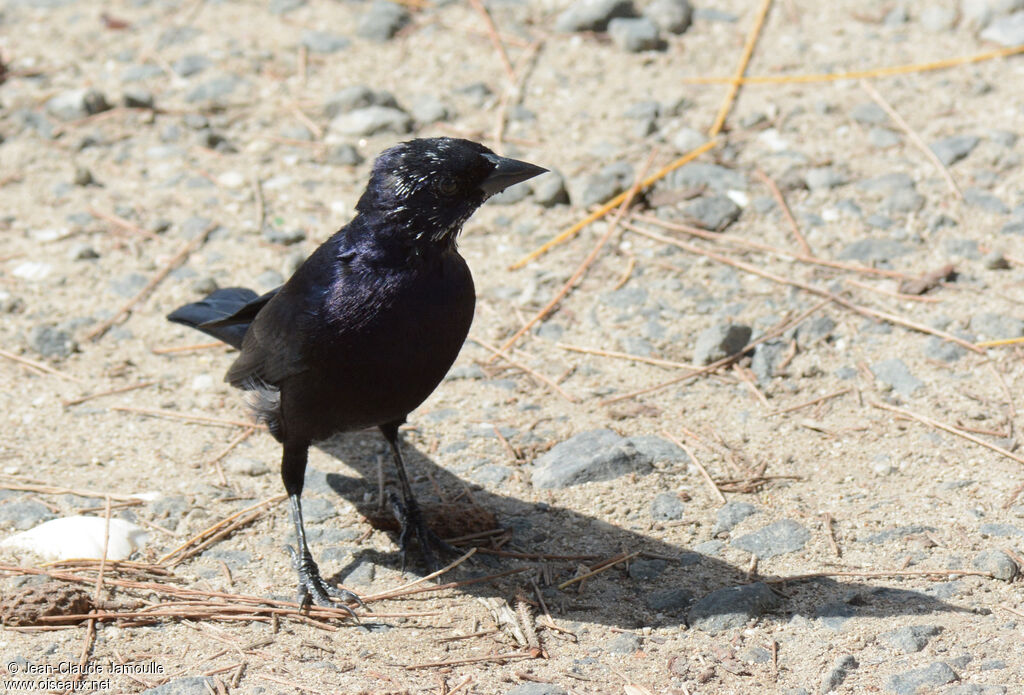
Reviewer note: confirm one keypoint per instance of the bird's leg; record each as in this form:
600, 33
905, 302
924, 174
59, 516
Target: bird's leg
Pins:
312, 587
407, 511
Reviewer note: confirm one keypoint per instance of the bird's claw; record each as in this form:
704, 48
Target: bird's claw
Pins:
313, 589
410, 519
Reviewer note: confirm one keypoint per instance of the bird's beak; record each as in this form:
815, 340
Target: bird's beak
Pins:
506, 173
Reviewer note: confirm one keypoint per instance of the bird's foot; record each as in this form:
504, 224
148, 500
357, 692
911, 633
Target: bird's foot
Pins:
410, 518
313, 588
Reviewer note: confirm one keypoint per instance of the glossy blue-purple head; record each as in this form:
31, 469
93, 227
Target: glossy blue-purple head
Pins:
429, 187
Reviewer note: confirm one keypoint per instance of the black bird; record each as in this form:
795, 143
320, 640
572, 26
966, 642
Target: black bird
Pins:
368, 325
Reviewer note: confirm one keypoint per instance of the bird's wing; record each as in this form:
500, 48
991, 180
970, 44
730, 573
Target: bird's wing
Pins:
229, 303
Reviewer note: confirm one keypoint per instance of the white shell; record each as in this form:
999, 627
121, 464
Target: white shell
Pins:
79, 537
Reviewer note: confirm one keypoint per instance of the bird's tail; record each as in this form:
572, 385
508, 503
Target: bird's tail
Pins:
225, 314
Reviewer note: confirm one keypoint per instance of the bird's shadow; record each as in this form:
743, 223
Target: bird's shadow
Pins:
660, 587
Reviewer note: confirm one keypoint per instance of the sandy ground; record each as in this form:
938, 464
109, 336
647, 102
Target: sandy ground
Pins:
877, 494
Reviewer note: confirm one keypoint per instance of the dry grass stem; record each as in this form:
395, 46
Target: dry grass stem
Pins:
183, 550
608, 564
110, 392
39, 366
700, 467
540, 378
400, 589
626, 356
531, 654
492, 34
780, 199
741, 69
813, 401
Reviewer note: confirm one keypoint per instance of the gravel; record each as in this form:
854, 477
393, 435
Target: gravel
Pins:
592, 15
894, 373
48, 341
587, 457
372, 120
382, 21
713, 213
635, 34
666, 506
732, 607
952, 149
720, 341
998, 563
672, 16
911, 682
730, 514
911, 638
1007, 31
324, 42
786, 536
835, 676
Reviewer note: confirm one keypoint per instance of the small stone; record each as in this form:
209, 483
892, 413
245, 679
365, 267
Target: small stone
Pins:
687, 139
986, 201
887, 184
732, 607
344, 155
767, 356
537, 689
382, 21
1013, 227
872, 250
975, 689
137, 98
903, 201
82, 252
838, 673
357, 97
911, 682
711, 14
429, 109
670, 601
952, 149
732, 513
824, 178
280, 7
883, 137
607, 183
372, 120
939, 349
51, 342
782, 537
589, 456
193, 685
1006, 31
815, 329
659, 450
720, 341
896, 17
634, 35
912, 638
994, 260
869, 113
317, 509
214, 90
673, 16
362, 575
996, 326
24, 515
283, 237
1002, 137
243, 465
713, 213
323, 42
666, 506
189, 65
646, 569
895, 373
938, 19
625, 643
83, 177
77, 103
513, 194
592, 15
998, 563
716, 177
128, 285
549, 189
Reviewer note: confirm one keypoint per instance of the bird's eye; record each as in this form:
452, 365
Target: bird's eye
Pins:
447, 187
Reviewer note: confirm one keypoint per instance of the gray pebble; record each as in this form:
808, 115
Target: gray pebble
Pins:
835, 676
214, 90
646, 569
138, 73
592, 15
869, 113
607, 183
549, 189
968, 248
716, 177
284, 237
362, 574
986, 201
465, 371
996, 326
624, 643
138, 98
77, 103
280, 7
191, 64
816, 328
711, 14
382, 21
634, 34
732, 607
975, 689
895, 373
128, 285
720, 341
870, 250
317, 509
344, 155
24, 514
323, 42
998, 563
896, 17
1002, 137
910, 682
688, 139
883, 137
939, 349
952, 149
82, 252
912, 638
673, 16
938, 19
659, 450
1013, 227
51, 342
371, 120
824, 178
234, 559
589, 456
245, 466
537, 689
429, 109
730, 514
666, 506
782, 537
1006, 31
994, 260
767, 356
903, 201
670, 601
895, 533
887, 183
714, 213
357, 97
492, 474
624, 297
513, 194
193, 685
